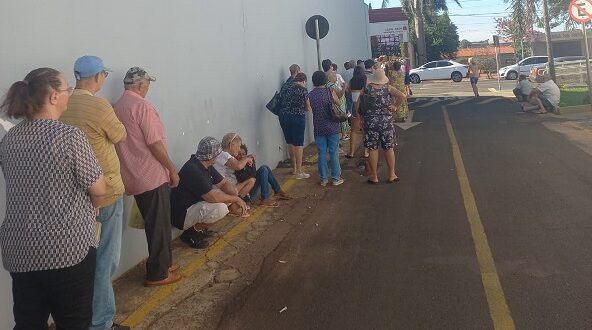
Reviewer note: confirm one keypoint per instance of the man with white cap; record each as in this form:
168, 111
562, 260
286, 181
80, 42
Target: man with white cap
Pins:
148, 173
203, 196
96, 118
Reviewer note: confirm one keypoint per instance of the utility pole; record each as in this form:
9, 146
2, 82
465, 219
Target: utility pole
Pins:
549, 42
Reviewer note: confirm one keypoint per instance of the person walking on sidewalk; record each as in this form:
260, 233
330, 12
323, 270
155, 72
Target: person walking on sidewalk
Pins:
203, 196
379, 129
148, 173
326, 131
474, 74
96, 118
53, 184
292, 116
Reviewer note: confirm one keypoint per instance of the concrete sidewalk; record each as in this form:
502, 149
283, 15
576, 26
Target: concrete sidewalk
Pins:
217, 273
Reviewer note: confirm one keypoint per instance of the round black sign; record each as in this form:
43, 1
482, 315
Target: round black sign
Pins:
323, 27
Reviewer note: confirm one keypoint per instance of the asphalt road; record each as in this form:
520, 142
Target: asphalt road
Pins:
449, 87
401, 256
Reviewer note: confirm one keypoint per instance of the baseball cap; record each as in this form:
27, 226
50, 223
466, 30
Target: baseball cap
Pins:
135, 74
88, 66
208, 148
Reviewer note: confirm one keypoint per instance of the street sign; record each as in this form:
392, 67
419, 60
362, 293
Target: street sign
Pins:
323, 27
580, 11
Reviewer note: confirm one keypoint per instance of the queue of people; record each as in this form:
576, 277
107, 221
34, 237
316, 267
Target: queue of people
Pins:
66, 173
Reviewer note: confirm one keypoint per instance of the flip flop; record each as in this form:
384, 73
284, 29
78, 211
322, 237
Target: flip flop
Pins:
372, 182
397, 179
246, 215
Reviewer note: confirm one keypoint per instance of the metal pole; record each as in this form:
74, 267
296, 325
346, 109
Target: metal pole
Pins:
587, 53
522, 47
499, 85
318, 44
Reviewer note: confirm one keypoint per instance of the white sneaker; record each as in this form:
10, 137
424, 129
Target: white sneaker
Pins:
338, 182
323, 183
302, 175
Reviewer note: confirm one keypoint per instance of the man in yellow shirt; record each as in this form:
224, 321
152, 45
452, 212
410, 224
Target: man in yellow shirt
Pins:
96, 118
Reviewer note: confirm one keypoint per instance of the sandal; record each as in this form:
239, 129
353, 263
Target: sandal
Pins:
372, 182
397, 179
268, 203
283, 196
349, 156
246, 215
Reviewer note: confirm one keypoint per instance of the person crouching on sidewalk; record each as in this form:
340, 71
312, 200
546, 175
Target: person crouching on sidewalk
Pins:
264, 178
203, 196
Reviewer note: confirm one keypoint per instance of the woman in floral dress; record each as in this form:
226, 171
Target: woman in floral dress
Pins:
397, 80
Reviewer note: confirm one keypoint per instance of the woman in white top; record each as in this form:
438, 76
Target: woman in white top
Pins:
226, 164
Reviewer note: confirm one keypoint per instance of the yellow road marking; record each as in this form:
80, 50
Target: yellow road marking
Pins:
164, 292
498, 307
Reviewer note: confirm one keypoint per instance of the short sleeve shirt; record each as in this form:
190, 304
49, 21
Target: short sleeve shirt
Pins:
140, 170
550, 91
221, 167
48, 167
320, 102
96, 118
294, 99
524, 87
195, 181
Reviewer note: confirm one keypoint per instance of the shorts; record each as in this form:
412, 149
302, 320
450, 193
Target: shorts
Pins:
379, 132
407, 79
293, 128
204, 212
474, 80
546, 103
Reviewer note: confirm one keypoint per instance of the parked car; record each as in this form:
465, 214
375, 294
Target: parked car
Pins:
512, 72
443, 69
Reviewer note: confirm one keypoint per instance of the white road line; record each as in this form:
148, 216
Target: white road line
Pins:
461, 100
489, 100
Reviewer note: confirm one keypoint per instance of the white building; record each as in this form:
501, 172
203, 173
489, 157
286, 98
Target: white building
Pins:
217, 64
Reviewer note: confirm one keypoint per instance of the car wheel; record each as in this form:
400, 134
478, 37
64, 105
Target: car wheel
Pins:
456, 76
512, 75
415, 78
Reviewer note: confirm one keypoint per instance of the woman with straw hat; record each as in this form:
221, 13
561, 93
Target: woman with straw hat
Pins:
379, 129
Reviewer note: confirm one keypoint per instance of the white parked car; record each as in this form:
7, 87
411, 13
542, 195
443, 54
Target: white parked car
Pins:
443, 69
511, 72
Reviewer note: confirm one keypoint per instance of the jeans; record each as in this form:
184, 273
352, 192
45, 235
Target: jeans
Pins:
332, 143
65, 293
111, 218
264, 179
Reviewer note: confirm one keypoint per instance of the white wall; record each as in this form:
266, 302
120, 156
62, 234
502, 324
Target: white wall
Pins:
217, 64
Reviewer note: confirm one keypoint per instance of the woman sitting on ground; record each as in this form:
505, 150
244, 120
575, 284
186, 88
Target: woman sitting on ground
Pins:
379, 130
326, 131
264, 178
226, 164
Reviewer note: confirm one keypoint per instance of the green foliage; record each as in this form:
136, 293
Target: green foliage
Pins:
465, 44
441, 37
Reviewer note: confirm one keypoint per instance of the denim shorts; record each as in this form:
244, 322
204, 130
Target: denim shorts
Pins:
474, 80
293, 128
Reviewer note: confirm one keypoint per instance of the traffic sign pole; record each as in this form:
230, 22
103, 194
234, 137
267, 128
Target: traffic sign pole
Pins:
318, 37
587, 52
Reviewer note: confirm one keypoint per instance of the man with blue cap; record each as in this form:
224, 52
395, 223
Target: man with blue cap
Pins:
96, 118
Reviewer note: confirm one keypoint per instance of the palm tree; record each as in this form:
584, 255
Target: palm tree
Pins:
385, 3
417, 10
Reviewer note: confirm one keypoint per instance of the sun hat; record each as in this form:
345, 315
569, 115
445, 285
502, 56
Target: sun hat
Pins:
208, 148
378, 77
88, 66
135, 74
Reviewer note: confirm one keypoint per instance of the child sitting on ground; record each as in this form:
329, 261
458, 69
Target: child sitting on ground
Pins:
264, 178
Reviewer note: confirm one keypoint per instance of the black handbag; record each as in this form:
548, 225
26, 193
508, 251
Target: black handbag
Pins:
336, 114
367, 102
274, 104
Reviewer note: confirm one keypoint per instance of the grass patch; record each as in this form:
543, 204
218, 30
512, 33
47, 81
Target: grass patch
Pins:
573, 96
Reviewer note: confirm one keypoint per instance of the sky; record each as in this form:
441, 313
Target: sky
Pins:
474, 20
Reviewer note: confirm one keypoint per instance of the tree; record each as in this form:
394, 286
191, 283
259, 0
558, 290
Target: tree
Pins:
508, 28
385, 3
465, 44
441, 37
418, 11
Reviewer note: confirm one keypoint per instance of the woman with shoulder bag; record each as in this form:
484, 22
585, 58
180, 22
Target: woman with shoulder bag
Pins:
379, 129
326, 129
